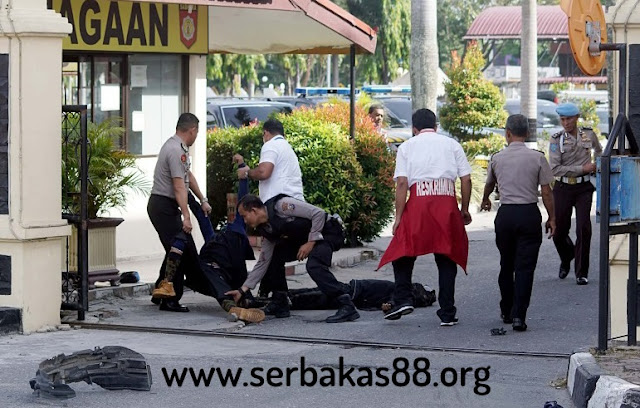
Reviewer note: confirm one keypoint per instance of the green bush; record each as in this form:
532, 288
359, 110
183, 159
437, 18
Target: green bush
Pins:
353, 179
472, 101
485, 146
221, 176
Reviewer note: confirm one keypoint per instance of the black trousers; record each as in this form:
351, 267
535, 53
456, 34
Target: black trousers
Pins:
566, 197
166, 218
518, 237
215, 283
447, 271
318, 265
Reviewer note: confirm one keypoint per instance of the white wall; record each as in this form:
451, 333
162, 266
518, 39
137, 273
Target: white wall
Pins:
31, 233
136, 238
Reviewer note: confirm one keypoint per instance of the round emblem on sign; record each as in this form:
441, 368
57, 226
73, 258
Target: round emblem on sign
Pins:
188, 28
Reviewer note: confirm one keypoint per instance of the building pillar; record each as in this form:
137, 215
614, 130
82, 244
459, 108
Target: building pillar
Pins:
198, 106
31, 226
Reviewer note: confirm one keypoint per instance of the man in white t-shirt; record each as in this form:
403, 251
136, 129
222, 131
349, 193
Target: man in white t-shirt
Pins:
429, 222
278, 171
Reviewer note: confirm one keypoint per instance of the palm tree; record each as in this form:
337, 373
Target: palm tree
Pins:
529, 64
424, 54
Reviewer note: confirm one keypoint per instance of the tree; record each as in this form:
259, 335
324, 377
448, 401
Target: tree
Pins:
472, 101
424, 54
454, 19
392, 20
222, 69
456, 16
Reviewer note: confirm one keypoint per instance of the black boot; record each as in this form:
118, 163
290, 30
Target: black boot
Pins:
346, 312
279, 305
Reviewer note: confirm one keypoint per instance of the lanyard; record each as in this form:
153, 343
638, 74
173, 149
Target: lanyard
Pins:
564, 133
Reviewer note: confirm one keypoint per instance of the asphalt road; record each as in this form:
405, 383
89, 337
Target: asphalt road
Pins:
512, 370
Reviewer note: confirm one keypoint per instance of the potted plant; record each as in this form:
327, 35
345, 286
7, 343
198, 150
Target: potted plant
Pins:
113, 174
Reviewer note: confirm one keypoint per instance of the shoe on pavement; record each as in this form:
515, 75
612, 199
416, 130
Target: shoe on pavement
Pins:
164, 290
506, 319
582, 281
279, 305
398, 311
170, 305
563, 272
247, 315
519, 324
347, 311
447, 323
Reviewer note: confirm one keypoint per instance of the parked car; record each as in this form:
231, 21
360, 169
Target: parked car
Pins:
241, 112
297, 101
549, 95
548, 119
400, 106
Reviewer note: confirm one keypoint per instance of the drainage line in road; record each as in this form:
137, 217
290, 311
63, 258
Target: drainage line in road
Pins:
313, 340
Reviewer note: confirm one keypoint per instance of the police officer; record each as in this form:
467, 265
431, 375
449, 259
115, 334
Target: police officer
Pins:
169, 213
518, 171
293, 229
572, 166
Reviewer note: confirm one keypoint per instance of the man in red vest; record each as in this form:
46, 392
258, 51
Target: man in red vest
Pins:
430, 222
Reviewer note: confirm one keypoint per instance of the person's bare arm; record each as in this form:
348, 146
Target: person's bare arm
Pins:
547, 200
465, 192
262, 172
180, 191
193, 186
486, 201
402, 186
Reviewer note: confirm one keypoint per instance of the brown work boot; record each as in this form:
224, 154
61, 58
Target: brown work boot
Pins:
164, 290
247, 315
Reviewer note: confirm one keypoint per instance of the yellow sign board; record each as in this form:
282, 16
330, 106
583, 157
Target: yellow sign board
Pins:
123, 26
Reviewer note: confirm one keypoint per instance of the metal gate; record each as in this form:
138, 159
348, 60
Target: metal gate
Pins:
75, 268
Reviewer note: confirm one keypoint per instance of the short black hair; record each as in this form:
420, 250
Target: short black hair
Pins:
423, 119
274, 127
187, 121
249, 202
518, 125
375, 107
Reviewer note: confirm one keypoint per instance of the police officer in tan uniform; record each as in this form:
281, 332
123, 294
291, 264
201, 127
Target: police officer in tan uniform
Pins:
169, 213
518, 171
572, 166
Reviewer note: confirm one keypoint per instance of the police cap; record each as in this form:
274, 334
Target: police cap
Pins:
568, 109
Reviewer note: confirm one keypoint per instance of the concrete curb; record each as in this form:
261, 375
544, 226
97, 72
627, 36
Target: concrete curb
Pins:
350, 257
300, 268
590, 388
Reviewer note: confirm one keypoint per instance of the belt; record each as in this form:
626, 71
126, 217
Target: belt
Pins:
574, 180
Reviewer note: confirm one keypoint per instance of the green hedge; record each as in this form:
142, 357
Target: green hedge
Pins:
353, 179
485, 146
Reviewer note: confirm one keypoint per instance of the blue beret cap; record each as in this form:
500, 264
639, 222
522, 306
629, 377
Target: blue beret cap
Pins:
568, 109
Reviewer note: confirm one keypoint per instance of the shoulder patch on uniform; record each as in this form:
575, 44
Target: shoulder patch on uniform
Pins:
288, 207
553, 147
586, 128
556, 135
539, 151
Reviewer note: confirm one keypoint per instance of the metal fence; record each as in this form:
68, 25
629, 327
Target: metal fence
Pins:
75, 270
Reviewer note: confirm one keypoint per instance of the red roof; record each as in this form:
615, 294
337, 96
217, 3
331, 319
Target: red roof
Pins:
506, 23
